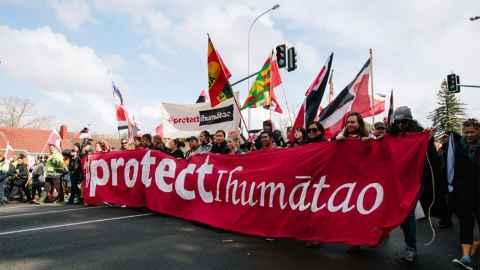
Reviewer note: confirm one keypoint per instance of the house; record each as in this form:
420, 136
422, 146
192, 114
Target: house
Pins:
34, 142
29, 141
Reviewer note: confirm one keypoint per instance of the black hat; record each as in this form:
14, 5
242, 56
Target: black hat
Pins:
402, 113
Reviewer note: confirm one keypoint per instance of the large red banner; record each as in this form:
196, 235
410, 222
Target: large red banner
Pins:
349, 191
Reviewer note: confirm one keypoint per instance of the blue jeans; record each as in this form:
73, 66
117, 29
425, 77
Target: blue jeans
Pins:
409, 227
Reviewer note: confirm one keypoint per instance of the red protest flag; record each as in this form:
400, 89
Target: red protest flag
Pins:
378, 106
219, 88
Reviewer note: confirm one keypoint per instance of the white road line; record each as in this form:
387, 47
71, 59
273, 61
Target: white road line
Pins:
51, 212
74, 224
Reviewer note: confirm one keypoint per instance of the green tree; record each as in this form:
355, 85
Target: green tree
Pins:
448, 116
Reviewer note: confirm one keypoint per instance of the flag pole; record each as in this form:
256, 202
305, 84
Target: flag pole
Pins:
240, 113
330, 86
288, 107
270, 103
371, 87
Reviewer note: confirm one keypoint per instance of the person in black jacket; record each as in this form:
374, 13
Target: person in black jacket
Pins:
278, 139
402, 125
174, 148
299, 137
315, 132
157, 144
7, 170
464, 186
219, 144
38, 179
21, 179
76, 175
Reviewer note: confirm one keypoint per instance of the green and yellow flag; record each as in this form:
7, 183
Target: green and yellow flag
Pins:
261, 92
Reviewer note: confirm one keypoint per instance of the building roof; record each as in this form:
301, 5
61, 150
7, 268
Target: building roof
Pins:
31, 140
34, 140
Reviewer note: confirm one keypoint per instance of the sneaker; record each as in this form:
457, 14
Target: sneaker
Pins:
409, 255
465, 262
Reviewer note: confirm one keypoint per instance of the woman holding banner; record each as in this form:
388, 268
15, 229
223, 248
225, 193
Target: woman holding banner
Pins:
355, 128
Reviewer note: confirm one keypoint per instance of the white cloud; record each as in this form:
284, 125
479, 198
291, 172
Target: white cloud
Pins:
115, 62
158, 22
151, 112
74, 79
72, 13
151, 60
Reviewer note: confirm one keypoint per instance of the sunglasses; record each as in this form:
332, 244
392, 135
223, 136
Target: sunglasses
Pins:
124, 142
312, 130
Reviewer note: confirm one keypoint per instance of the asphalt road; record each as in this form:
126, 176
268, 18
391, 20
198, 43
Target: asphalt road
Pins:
73, 237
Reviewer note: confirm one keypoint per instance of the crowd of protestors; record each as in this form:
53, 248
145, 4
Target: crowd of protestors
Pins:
54, 176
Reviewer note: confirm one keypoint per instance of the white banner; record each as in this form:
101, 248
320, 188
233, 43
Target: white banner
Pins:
184, 120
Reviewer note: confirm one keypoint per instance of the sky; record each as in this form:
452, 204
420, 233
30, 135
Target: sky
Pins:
63, 55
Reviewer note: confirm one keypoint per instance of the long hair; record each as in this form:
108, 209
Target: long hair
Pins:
413, 126
362, 129
304, 136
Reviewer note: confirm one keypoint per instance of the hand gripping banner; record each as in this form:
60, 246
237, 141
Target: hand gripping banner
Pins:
351, 192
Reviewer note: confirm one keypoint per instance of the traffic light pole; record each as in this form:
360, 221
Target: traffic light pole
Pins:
244, 79
468, 85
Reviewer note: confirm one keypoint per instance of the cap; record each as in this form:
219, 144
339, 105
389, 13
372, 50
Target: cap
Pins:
402, 113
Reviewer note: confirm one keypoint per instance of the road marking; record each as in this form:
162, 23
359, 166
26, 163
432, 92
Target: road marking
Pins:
51, 212
75, 224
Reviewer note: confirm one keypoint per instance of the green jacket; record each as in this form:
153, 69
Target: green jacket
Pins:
54, 164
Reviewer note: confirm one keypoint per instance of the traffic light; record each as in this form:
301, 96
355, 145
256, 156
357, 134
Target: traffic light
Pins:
453, 83
281, 55
292, 59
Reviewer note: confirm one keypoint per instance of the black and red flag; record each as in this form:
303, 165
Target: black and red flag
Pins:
310, 106
202, 98
390, 111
